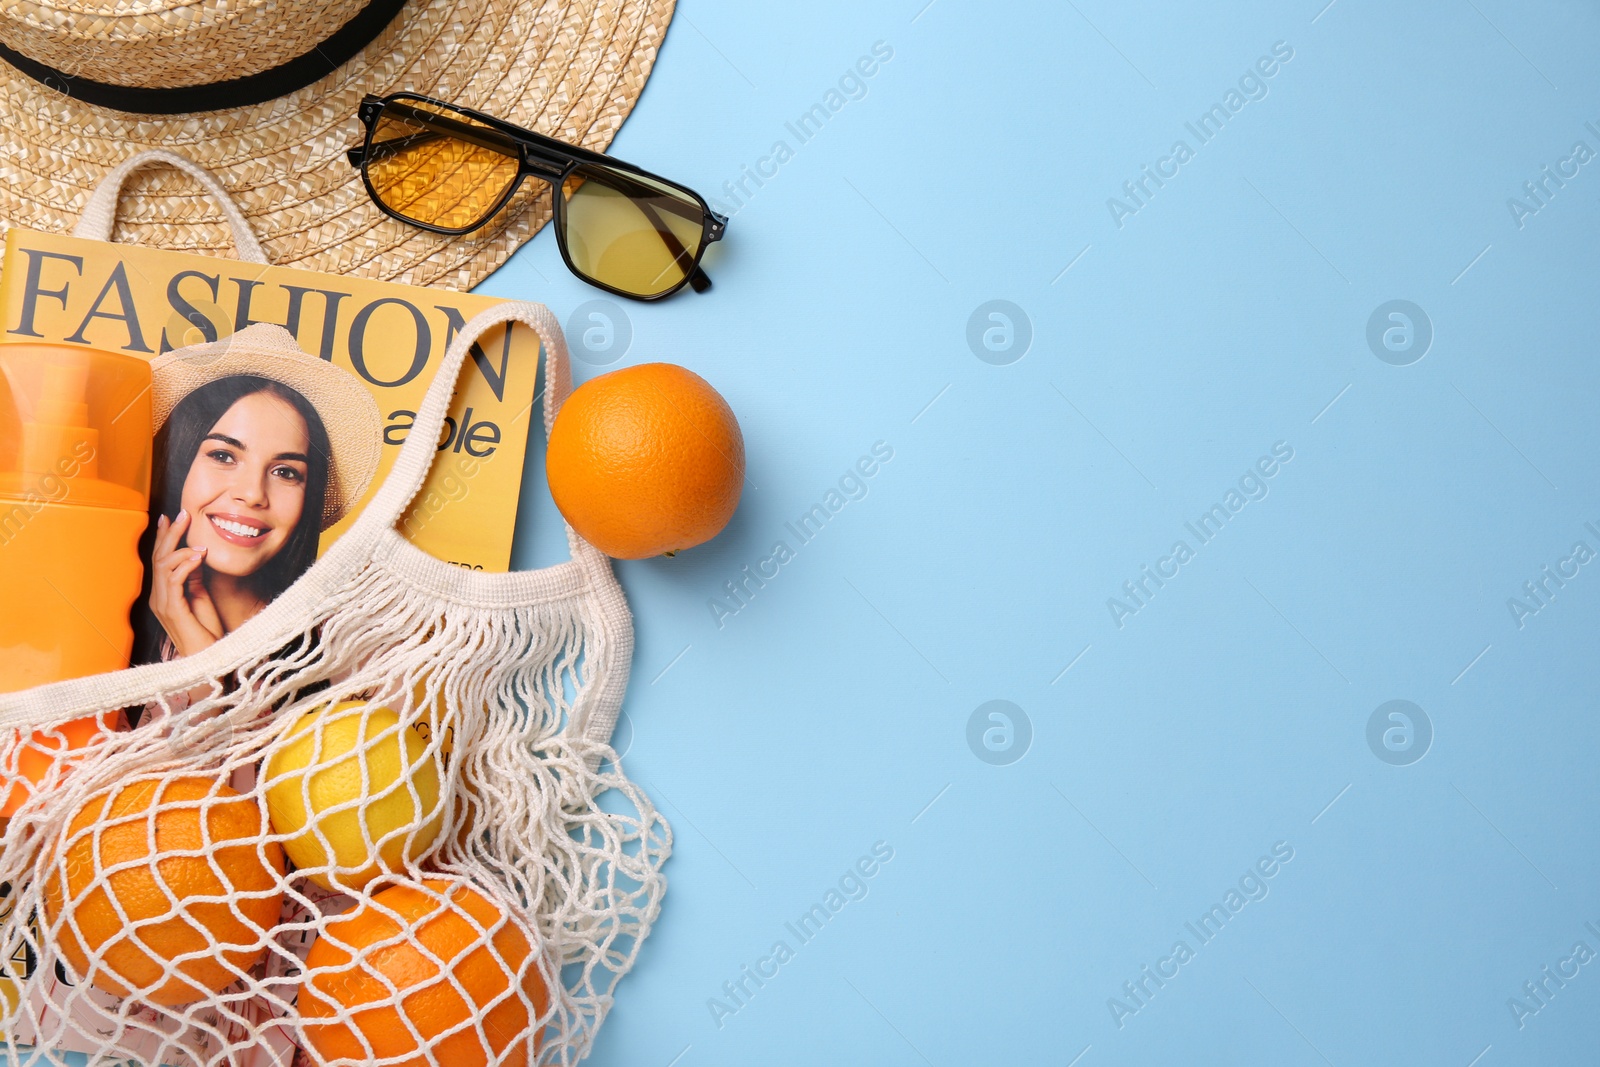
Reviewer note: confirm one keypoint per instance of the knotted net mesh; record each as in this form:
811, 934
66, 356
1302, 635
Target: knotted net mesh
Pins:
389, 842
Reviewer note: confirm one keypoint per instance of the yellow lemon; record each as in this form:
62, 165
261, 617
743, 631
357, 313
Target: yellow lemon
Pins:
356, 792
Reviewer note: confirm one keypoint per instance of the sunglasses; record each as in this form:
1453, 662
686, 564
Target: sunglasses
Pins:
450, 170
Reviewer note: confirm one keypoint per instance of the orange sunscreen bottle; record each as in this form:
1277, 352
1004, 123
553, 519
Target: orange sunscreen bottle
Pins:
74, 488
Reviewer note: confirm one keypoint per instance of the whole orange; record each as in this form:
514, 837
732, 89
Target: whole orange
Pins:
446, 947
187, 882
32, 760
646, 460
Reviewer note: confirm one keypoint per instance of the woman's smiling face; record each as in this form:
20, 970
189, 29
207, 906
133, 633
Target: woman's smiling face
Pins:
246, 489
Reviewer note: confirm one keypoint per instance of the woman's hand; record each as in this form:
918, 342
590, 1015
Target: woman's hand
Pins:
178, 596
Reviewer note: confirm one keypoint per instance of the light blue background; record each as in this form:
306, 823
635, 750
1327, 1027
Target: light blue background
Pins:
1228, 714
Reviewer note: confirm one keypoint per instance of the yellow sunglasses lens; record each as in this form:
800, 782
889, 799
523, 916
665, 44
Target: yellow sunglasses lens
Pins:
439, 167
630, 231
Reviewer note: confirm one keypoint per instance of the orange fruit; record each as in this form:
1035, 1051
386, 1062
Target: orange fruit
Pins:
32, 759
132, 846
344, 971
646, 460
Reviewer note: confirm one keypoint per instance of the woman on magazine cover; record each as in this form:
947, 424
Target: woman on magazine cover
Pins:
256, 453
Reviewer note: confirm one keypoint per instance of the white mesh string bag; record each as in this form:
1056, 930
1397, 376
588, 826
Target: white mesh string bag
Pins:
148, 893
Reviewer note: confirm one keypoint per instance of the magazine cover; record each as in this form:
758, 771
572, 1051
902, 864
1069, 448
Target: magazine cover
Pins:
145, 301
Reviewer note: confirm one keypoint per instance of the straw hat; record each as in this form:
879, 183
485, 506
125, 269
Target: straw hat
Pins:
347, 410
83, 84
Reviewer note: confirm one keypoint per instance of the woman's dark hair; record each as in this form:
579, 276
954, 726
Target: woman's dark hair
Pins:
177, 444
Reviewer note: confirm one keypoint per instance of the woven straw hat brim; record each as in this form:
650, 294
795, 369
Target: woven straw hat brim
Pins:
347, 410
572, 69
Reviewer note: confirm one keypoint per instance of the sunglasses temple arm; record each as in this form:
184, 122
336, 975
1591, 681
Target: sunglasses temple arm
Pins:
380, 150
445, 126
699, 281
459, 130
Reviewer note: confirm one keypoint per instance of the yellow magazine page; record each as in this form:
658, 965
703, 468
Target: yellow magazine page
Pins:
145, 301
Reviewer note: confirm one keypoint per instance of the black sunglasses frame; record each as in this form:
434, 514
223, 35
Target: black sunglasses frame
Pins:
538, 156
